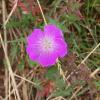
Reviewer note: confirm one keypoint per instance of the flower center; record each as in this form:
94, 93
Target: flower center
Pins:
47, 44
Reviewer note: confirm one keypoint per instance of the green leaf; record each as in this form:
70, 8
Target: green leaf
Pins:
71, 18
60, 25
51, 73
97, 85
37, 83
64, 92
60, 83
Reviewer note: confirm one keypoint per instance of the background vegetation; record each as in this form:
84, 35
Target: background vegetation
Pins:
77, 78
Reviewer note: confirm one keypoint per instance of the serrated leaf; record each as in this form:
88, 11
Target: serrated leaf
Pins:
60, 83
51, 73
64, 92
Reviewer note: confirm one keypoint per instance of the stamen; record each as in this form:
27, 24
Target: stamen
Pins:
47, 44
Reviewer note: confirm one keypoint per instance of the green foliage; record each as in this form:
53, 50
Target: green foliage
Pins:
15, 41
92, 4
71, 18
64, 92
51, 73
60, 25
37, 83
60, 83
55, 5
24, 22
13, 52
21, 65
97, 85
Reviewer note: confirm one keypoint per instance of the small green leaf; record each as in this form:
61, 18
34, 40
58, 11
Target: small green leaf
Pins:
60, 83
97, 85
51, 73
37, 83
64, 92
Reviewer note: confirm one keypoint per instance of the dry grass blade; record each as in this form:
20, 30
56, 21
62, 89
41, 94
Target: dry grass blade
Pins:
9, 68
5, 40
9, 86
75, 93
83, 61
24, 79
42, 12
61, 71
13, 9
59, 98
6, 98
25, 90
7, 75
94, 73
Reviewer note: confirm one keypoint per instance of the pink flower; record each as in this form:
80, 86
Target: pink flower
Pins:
44, 47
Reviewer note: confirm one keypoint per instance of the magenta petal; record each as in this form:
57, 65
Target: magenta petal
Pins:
47, 60
33, 52
34, 36
53, 30
62, 48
